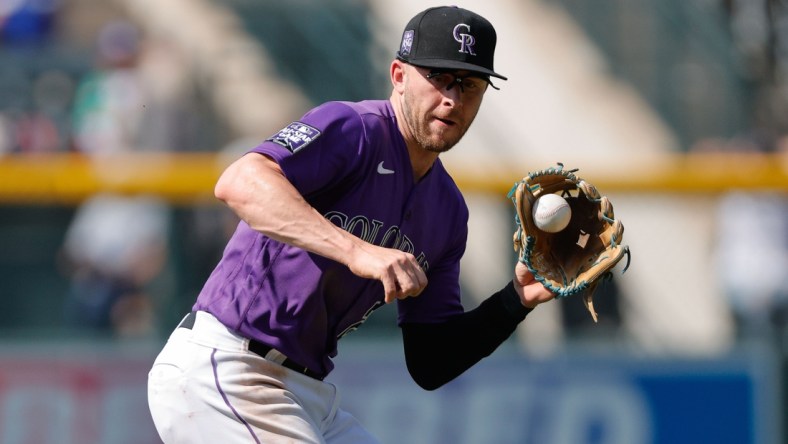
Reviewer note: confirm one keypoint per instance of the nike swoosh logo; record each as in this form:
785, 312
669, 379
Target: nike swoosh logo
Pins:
384, 170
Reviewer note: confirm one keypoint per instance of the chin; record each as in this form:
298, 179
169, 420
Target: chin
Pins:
440, 147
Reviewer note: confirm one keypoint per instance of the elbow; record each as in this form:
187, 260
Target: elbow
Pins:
246, 177
425, 378
234, 184
229, 191
223, 188
426, 356
427, 384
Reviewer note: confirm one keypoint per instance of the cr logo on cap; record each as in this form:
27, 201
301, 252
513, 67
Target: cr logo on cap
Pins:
465, 40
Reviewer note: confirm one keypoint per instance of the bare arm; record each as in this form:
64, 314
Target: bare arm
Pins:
257, 190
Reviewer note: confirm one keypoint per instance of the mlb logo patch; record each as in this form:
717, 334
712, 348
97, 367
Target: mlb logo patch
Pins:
295, 136
407, 43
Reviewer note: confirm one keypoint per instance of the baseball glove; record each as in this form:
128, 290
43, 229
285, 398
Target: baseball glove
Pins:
575, 259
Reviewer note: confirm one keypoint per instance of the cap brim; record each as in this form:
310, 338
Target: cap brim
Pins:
451, 64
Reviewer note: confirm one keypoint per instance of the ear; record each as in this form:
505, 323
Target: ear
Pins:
397, 73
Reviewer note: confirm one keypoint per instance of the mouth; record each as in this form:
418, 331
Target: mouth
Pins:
446, 122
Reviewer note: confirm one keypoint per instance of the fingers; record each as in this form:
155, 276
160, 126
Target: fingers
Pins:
534, 293
522, 275
403, 278
398, 271
531, 291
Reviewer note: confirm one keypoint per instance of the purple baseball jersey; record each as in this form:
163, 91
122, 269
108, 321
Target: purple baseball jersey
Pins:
350, 162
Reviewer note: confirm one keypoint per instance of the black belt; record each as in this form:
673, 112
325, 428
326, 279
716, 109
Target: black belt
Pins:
260, 349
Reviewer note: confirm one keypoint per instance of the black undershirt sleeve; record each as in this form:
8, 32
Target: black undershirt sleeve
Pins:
437, 353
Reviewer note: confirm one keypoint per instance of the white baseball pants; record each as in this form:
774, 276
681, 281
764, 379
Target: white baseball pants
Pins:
207, 387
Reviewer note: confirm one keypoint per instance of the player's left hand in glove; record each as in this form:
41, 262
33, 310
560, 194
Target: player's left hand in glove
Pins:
575, 259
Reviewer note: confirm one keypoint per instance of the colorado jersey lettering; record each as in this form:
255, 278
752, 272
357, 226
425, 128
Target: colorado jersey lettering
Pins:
369, 230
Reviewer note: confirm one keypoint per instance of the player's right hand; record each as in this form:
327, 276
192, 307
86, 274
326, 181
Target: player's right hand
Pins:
399, 272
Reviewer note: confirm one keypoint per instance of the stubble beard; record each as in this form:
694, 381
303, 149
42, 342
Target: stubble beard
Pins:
420, 130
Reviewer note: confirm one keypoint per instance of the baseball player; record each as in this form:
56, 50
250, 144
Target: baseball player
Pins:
342, 211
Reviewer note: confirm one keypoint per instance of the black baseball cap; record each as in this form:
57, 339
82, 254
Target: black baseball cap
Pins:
449, 37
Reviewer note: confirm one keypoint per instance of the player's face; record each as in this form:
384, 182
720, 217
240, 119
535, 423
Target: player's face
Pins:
439, 106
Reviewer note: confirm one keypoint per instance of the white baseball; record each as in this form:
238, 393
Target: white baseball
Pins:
551, 213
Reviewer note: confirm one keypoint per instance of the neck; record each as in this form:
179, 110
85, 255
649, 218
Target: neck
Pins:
421, 160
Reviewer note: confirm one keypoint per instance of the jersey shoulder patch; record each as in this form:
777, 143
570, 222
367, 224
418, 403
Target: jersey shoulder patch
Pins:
295, 136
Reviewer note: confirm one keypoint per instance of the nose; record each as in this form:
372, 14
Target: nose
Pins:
452, 95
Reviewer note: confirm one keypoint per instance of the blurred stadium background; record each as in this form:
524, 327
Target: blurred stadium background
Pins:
116, 117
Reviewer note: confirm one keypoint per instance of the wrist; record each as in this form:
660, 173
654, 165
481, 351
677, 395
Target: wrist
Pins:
513, 303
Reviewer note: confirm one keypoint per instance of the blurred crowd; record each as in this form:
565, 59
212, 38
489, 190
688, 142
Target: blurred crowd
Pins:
119, 90
751, 243
99, 87
33, 109
759, 32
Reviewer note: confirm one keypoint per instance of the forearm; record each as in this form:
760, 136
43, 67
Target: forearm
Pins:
437, 353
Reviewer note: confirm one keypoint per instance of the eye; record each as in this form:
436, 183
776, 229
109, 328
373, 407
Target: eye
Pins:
470, 85
439, 79
474, 84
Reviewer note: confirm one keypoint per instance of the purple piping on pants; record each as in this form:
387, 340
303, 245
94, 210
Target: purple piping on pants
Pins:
227, 401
